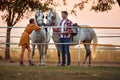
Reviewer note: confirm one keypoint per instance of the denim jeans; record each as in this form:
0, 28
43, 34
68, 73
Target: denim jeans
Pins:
65, 50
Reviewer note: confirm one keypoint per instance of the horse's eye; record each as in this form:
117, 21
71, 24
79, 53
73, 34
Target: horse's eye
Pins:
46, 17
43, 17
52, 17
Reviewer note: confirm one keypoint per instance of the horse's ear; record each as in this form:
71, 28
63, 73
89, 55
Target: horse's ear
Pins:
49, 10
36, 11
54, 10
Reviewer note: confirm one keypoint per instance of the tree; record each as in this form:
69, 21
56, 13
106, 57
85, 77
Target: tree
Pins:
118, 2
15, 10
97, 5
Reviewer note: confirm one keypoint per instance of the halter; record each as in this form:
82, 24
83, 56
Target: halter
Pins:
51, 21
52, 18
38, 19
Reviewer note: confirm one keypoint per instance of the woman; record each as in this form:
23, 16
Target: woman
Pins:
25, 41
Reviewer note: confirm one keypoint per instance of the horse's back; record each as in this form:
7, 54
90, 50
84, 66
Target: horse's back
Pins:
37, 36
84, 34
89, 33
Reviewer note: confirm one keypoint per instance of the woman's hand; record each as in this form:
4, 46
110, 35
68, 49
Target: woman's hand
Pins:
55, 29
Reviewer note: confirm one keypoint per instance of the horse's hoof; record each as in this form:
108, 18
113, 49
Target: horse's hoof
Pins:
31, 64
42, 64
84, 63
89, 65
58, 64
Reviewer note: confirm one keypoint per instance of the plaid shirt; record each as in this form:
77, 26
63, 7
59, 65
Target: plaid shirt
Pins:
67, 26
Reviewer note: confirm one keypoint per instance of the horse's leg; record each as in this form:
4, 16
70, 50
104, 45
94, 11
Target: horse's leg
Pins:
59, 60
58, 52
88, 53
39, 49
44, 54
33, 50
90, 59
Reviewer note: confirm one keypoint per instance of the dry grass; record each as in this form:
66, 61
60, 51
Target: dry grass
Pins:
101, 56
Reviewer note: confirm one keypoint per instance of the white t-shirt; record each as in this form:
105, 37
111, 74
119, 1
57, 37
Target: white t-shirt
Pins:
62, 28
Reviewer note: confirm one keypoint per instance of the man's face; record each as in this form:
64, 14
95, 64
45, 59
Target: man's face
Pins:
64, 16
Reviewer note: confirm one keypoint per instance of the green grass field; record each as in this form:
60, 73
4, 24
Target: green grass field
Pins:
58, 73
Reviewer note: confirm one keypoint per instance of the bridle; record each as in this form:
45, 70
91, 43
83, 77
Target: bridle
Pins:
37, 20
51, 20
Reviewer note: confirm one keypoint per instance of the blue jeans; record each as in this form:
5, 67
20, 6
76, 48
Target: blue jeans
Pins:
65, 50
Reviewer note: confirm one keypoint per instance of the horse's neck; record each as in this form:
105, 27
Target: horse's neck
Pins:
58, 19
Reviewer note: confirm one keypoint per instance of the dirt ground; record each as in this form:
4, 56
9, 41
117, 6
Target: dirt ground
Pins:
53, 63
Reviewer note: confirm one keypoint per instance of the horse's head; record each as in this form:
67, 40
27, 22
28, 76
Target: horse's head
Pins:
51, 17
39, 16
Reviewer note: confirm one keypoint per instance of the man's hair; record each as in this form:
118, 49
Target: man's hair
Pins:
65, 12
31, 20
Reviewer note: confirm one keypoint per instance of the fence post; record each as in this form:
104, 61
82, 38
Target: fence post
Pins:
79, 37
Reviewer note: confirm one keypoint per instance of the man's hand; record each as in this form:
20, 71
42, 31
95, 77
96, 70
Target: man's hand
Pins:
64, 32
55, 29
69, 31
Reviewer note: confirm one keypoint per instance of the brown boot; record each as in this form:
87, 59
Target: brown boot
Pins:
21, 63
31, 63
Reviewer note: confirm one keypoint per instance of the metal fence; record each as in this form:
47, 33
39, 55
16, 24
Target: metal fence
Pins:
16, 32
101, 36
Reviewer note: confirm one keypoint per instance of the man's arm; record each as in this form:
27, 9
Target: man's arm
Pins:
70, 24
56, 29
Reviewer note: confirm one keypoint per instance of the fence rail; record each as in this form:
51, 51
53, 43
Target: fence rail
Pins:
111, 45
80, 26
97, 36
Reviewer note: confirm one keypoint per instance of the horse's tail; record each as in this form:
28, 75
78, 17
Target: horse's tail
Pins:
94, 47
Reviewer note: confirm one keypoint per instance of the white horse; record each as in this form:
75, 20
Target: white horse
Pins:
39, 38
87, 35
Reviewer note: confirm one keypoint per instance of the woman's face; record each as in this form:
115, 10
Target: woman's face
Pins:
33, 22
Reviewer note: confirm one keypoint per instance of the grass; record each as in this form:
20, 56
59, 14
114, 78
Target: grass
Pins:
13, 72
59, 73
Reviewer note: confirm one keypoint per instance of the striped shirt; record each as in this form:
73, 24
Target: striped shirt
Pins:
65, 26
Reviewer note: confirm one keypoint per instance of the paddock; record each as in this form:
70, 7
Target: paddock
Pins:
105, 65
106, 52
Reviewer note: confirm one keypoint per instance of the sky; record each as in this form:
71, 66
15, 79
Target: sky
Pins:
84, 17
87, 17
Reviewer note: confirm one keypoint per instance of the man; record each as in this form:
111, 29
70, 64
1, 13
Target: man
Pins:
65, 34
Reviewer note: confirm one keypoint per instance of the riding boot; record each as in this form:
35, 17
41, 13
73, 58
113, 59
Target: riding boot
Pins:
31, 63
21, 63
